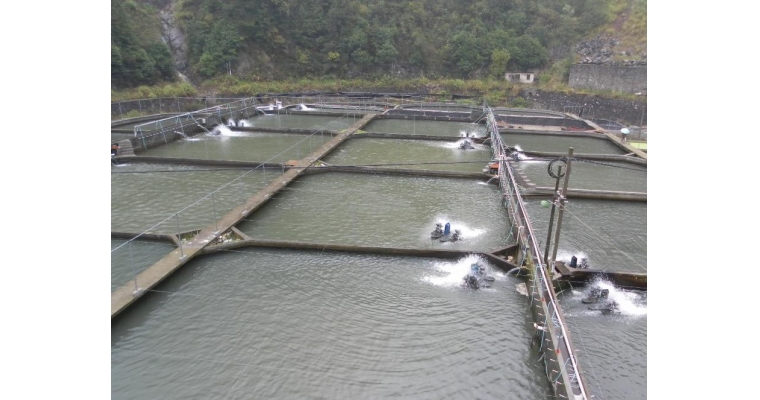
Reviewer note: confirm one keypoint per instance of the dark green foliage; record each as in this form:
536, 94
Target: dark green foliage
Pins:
220, 47
292, 38
527, 53
136, 57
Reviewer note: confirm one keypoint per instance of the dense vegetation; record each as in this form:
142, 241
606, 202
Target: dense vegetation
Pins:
324, 42
138, 56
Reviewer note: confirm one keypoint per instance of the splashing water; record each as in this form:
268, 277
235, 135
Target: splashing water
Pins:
472, 133
451, 274
565, 256
221, 129
466, 231
455, 145
630, 303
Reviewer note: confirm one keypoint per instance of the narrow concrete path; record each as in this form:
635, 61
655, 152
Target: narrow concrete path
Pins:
122, 297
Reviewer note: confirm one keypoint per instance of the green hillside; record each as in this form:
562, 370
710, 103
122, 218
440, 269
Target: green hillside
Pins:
345, 39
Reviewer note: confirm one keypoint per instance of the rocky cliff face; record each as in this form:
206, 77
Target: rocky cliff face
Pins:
602, 50
173, 37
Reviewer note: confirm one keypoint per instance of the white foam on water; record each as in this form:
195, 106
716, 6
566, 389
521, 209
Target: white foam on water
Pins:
451, 274
455, 145
565, 256
630, 303
471, 133
465, 231
221, 129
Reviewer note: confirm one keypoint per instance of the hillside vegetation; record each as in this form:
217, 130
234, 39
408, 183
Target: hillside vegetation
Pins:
328, 40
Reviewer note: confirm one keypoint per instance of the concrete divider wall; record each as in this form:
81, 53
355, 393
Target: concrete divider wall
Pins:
545, 121
628, 112
142, 143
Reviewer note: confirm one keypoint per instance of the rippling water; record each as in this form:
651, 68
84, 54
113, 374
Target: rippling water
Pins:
150, 194
133, 257
242, 146
258, 323
425, 127
330, 123
421, 154
612, 235
613, 348
378, 210
286, 324
555, 143
596, 175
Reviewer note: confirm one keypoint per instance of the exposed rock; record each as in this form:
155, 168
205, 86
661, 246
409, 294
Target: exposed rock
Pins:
600, 51
174, 38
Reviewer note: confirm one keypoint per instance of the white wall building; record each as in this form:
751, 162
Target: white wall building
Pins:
522, 77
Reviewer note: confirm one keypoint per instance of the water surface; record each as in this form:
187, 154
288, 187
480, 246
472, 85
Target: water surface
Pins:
560, 144
591, 175
612, 235
426, 127
381, 210
411, 154
242, 146
285, 324
613, 348
316, 122
177, 198
130, 258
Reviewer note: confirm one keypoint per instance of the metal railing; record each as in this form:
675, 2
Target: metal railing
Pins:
530, 252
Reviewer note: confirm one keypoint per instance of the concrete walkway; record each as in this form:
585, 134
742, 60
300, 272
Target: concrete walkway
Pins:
122, 297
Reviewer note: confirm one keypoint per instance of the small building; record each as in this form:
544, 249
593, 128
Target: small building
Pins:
522, 77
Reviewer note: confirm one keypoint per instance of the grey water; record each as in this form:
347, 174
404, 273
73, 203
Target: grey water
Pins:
613, 348
129, 258
589, 174
612, 235
279, 324
557, 143
425, 127
411, 154
440, 107
288, 324
316, 122
387, 211
242, 146
177, 198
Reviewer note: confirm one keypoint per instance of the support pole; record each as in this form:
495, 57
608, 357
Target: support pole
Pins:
562, 200
551, 217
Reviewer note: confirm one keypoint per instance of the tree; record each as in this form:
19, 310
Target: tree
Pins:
527, 53
386, 54
499, 61
221, 47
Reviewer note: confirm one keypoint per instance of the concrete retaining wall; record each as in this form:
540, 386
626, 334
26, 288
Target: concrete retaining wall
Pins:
609, 77
628, 112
